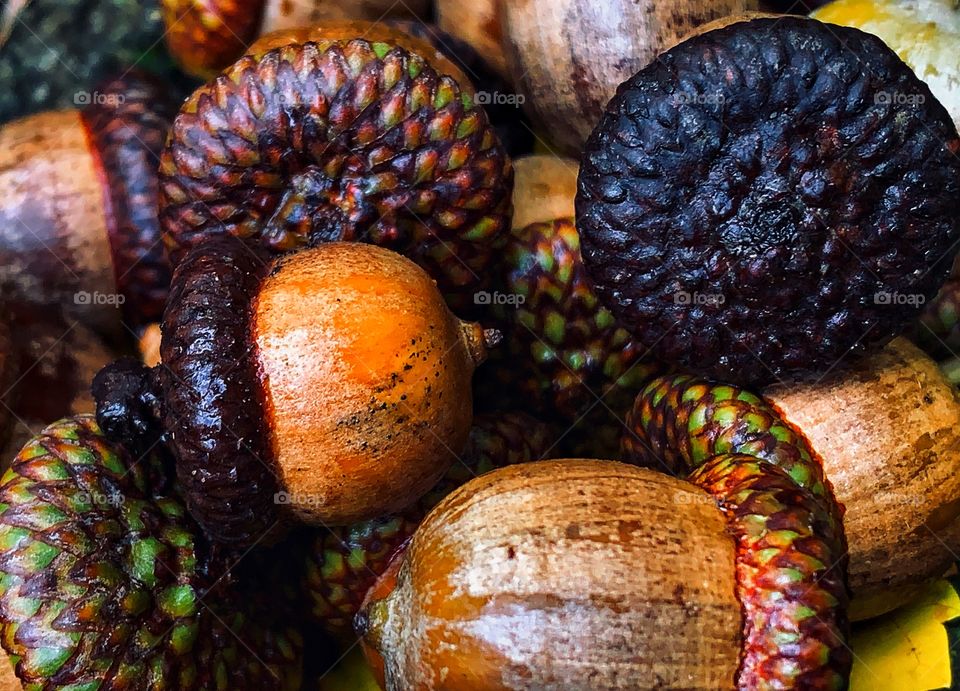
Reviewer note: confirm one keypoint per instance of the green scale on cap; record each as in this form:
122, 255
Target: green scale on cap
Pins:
104, 577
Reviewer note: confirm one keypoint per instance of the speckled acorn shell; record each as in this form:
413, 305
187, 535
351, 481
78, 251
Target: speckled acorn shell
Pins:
207, 36
677, 585
881, 434
571, 55
887, 431
328, 386
78, 198
340, 139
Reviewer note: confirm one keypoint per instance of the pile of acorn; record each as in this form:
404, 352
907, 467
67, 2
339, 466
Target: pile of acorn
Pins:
643, 418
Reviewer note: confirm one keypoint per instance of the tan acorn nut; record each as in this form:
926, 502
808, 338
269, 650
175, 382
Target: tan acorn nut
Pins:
573, 54
580, 574
78, 200
883, 434
544, 187
887, 431
329, 386
205, 37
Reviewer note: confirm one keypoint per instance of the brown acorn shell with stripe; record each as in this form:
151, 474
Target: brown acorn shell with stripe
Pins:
595, 574
78, 199
884, 431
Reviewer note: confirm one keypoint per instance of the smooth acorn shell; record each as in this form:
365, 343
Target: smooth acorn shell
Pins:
564, 574
887, 431
54, 244
571, 55
367, 380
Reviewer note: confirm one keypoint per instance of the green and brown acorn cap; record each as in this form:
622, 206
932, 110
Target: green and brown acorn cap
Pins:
791, 550
340, 140
562, 351
343, 563
104, 578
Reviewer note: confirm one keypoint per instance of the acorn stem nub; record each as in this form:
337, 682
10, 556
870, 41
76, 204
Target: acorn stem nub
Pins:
128, 405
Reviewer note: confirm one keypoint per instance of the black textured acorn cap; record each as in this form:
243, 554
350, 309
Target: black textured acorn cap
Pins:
765, 198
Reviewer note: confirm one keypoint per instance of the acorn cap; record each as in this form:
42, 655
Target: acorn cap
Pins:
571, 346
349, 141
128, 125
105, 578
768, 209
90, 39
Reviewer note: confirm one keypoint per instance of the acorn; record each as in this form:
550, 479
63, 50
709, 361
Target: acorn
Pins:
290, 389
206, 37
339, 139
764, 213
571, 55
106, 582
52, 51
343, 563
78, 209
884, 432
581, 574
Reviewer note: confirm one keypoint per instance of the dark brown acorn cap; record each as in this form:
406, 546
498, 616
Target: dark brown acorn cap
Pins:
348, 141
213, 401
128, 124
767, 197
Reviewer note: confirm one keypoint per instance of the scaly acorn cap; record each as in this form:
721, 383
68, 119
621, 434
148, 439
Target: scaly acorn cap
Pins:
104, 578
341, 140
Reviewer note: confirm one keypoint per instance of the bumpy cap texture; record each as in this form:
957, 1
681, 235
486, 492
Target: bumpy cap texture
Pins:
764, 198
350, 141
128, 125
105, 580
214, 409
790, 560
